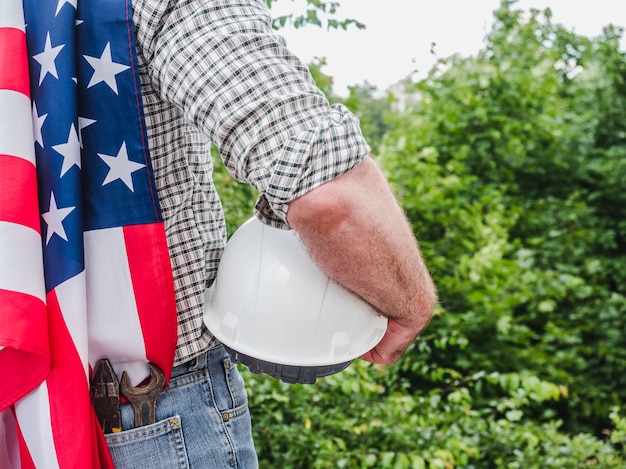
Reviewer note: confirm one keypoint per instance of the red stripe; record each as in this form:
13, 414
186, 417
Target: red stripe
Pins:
18, 192
13, 61
71, 414
153, 285
23, 322
24, 333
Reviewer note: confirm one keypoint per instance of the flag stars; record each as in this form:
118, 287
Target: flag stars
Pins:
120, 167
105, 69
46, 59
38, 124
63, 2
54, 218
82, 123
70, 151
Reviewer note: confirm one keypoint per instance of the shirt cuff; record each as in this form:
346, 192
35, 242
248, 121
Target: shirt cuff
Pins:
310, 159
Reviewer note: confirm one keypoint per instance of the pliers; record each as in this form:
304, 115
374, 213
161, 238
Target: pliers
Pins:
105, 396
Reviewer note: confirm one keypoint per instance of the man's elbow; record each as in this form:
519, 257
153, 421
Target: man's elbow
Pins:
325, 207
336, 201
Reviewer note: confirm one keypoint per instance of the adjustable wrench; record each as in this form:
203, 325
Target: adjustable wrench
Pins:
143, 399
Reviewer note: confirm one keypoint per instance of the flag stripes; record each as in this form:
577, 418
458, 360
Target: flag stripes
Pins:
13, 51
16, 130
17, 179
150, 274
24, 352
84, 264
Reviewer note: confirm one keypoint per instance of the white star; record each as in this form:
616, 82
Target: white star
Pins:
70, 151
104, 69
82, 123
47, 58
54, 219
120, 167
38, 124
63, 2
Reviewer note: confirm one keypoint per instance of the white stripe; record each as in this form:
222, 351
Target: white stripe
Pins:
21, 260
33, 415
114, 328
73, 304
16, 125
11, 14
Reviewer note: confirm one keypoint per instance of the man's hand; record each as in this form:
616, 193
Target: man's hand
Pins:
394, 343
357, 233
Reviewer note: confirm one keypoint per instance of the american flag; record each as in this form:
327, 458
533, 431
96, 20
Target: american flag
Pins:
84, 267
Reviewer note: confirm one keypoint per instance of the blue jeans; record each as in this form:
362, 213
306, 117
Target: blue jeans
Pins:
202, 421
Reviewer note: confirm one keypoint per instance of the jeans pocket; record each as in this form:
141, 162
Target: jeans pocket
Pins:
160, 446
225, 385
235, 384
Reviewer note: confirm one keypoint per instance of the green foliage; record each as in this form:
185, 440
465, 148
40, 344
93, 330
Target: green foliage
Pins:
316, 13
511, 168
323, 81
374, 112
237, 199
494, 169
357, 419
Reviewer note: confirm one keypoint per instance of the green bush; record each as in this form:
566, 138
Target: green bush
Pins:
511, 167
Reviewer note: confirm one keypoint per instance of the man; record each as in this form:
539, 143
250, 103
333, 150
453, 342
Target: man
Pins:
215, 72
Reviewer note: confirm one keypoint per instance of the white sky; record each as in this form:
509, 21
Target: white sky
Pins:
398, 35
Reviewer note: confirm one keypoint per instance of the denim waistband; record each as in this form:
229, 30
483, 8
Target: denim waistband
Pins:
199, 362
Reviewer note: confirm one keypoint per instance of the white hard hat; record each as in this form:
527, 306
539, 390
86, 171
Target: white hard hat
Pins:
278, 313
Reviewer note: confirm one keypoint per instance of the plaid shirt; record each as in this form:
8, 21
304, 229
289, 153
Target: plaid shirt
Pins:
215, 72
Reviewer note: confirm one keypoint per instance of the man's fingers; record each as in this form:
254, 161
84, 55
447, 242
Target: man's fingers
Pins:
395, 341
380, 355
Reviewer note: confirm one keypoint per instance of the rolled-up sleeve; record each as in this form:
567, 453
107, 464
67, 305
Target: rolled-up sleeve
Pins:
235, 80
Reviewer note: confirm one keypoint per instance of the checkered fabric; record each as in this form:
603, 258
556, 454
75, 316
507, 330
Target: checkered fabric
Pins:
215, 72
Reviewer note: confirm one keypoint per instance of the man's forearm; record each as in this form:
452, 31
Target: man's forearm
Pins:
358, 234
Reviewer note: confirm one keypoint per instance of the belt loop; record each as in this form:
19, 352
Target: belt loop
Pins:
199, 362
